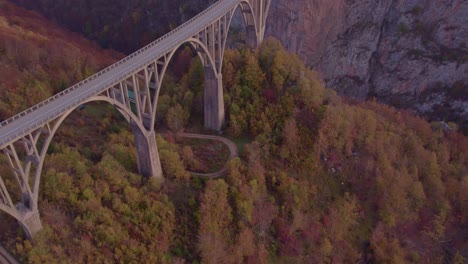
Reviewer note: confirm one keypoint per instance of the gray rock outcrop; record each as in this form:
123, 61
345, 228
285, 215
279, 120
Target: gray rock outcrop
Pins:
411, 54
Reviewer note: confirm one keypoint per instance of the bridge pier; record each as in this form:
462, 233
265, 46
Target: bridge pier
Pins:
30, 221
147, 153
251, 40
134, 91
213, 99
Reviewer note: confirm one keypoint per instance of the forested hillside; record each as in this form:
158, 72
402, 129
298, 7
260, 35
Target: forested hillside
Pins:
122, 25
321, 179
39, 59
409, 54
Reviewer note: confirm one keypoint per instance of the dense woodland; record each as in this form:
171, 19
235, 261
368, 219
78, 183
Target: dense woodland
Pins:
320, 178
38, 59
122, 25
128, 25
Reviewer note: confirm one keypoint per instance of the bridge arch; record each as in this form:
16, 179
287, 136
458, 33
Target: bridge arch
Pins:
212, 61
126, 84
208, 63
129, 116
27, 214
250, 23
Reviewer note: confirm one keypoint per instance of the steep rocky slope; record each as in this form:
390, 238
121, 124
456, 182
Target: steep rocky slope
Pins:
411, 54
406, 53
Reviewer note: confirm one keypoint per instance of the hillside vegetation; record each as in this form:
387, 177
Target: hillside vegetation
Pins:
322, 180
411, 55
123, 25
39, 59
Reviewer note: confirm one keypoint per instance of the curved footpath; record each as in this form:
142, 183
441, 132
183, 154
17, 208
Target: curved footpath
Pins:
5, 257
232, 149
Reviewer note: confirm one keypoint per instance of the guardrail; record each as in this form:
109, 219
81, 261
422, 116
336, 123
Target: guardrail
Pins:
6, 258
93, 77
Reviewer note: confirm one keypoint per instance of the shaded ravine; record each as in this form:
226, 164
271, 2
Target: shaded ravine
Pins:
232, 149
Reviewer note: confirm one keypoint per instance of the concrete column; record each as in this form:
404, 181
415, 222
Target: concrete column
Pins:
31, 222
259, 38
251, 40
214, 101
147, 153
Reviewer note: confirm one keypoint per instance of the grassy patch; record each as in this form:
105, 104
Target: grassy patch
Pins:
212, 155
403, 28
446, 54
416, 53
417, 10
241, 142
96, 110
458, 91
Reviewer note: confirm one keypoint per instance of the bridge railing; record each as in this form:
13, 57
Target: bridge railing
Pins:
91, 78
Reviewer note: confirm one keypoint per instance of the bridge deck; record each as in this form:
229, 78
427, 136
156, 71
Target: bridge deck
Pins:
42, 113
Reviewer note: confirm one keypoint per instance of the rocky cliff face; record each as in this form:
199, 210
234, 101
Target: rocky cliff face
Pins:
412, 54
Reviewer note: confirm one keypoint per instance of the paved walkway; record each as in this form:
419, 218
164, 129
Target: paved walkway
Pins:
6, 258
232, 149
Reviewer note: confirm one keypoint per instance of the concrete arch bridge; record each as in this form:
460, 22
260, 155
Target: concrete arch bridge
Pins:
136, 80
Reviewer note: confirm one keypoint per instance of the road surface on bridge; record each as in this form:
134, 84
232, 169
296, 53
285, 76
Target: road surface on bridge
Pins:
44, 112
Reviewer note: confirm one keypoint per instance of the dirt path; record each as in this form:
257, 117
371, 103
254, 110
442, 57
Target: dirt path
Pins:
232, 149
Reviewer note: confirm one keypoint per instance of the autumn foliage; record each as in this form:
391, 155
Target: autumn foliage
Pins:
39, 59
321, 180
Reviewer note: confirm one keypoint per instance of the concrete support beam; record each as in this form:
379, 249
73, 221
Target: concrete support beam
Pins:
31, 222
259, 38
213, 99
147, 153
135, 95
251, 40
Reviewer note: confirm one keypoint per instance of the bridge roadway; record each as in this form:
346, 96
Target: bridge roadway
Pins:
44, 112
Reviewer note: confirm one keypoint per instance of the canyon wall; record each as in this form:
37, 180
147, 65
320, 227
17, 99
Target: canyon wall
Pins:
411, 54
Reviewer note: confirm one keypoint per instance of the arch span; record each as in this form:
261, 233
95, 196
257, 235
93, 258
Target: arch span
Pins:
27, 211
132, 85
213, 93
210, 45
250, 23
129, 116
